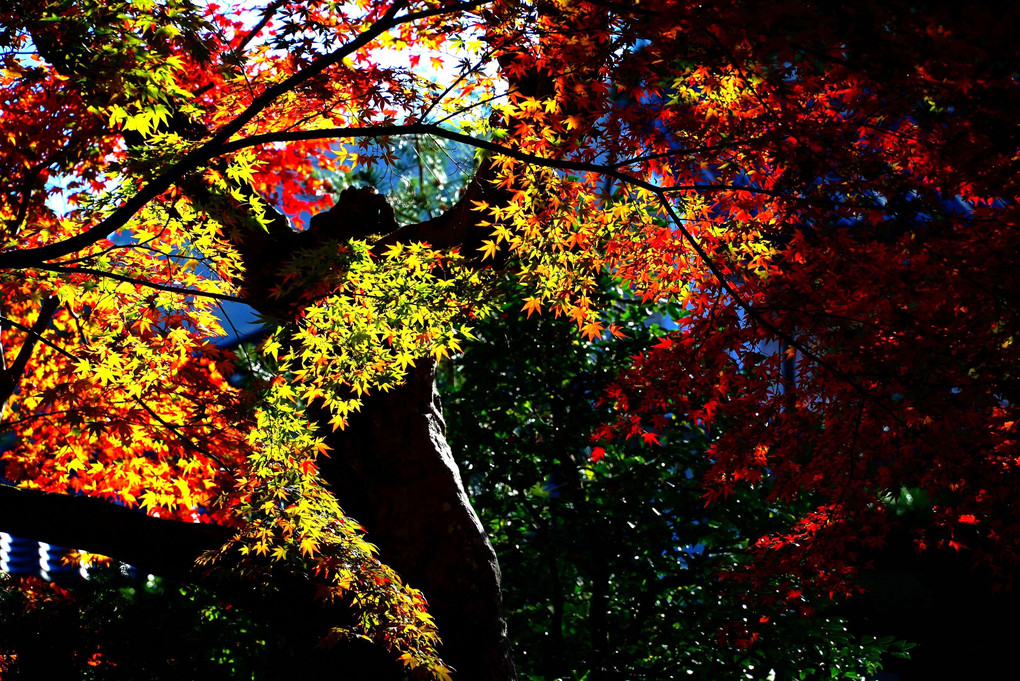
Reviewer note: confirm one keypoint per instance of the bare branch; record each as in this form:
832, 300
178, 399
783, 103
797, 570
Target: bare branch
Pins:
142, 282
267, 16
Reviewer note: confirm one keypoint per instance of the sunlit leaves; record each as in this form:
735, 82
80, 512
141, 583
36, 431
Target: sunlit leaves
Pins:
383, 315
565, 231
289, 515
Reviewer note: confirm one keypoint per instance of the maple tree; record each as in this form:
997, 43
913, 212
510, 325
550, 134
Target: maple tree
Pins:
828, 195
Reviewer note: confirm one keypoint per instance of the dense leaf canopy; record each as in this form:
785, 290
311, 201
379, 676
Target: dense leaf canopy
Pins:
826, 196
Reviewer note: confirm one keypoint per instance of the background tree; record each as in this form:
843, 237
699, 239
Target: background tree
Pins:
790, 175
121, 626
611, 561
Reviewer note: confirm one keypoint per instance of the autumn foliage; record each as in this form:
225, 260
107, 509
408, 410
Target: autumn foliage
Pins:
828, 195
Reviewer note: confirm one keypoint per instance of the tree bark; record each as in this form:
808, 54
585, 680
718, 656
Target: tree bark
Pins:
393, 471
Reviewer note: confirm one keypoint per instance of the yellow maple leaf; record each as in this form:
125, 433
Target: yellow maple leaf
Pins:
488, 249
308, 546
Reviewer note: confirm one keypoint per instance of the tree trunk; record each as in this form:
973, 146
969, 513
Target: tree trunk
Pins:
392, 470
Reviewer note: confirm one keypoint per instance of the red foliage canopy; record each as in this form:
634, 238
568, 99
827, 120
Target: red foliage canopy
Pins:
865, 344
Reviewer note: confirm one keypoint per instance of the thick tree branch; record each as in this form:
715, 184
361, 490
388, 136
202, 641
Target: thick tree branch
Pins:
164, 547
170, 548
11, 375
609, 169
